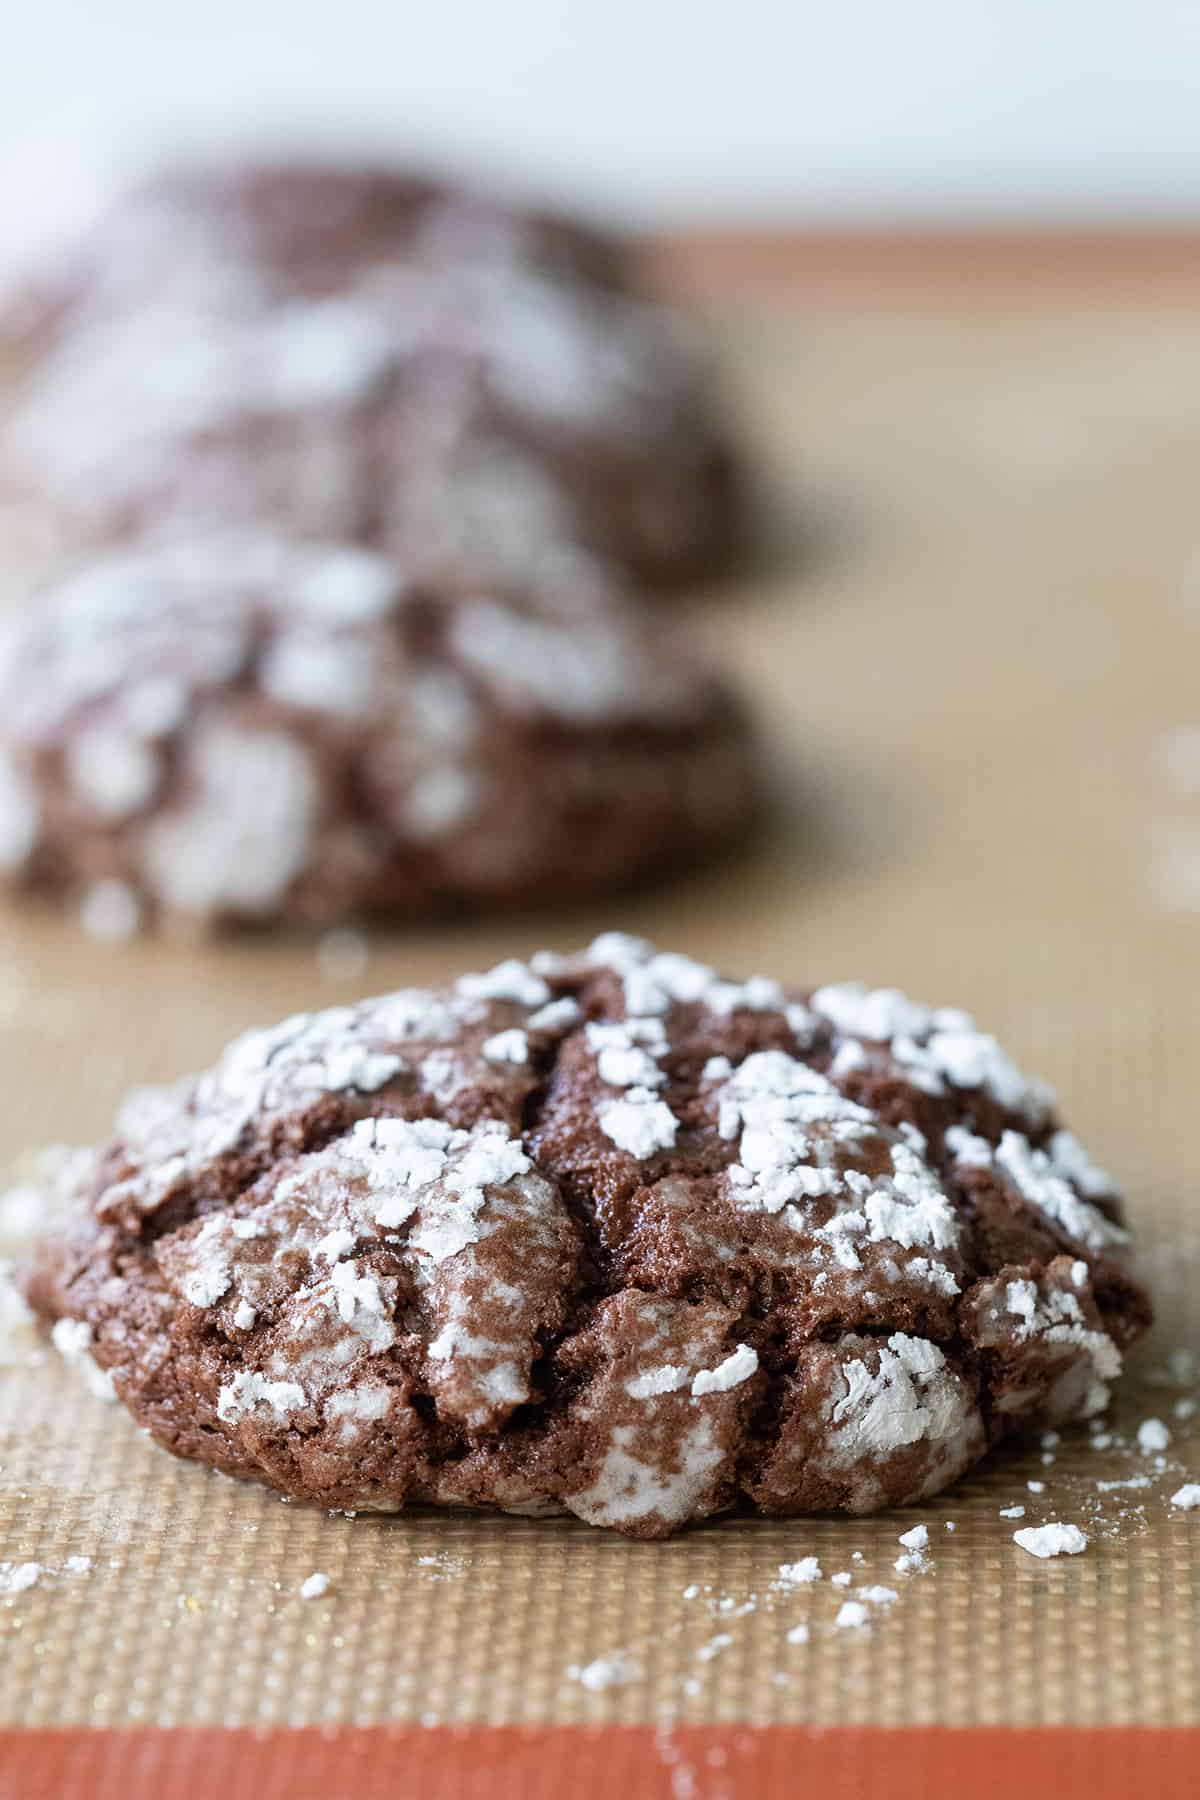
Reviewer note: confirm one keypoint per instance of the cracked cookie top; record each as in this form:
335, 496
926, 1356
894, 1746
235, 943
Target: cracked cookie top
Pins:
605, 1233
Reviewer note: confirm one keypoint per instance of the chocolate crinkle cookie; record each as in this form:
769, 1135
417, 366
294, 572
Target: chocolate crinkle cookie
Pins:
248, 729
324, 350
606, 1234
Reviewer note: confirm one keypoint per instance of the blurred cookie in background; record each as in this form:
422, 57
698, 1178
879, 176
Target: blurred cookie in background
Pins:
244, 730
333, 418
140, 328
239, 234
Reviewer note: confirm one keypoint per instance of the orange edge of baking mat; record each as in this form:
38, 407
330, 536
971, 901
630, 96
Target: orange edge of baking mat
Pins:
585, 1763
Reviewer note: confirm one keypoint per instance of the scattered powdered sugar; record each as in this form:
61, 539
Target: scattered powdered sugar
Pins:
314, 1585
342, 954
799, 1574
912, 1562
852, 1615
1187, 1498
614, 1670
16, 1578
1152, 1437
441, 1565
1051, 1540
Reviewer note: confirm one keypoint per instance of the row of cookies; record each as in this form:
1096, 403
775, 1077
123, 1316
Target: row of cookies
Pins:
339, 479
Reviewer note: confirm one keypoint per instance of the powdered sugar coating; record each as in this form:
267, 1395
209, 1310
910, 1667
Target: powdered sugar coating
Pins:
935, 1047
376, 1256
234, 726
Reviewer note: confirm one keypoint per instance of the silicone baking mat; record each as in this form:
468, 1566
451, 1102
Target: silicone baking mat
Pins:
973, 638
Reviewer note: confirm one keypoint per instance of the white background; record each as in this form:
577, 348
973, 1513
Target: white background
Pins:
672, 110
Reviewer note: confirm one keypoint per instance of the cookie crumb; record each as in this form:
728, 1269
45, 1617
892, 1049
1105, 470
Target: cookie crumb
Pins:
1052, 1540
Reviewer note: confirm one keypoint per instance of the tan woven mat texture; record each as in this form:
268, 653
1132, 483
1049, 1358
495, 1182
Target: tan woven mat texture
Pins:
970, 640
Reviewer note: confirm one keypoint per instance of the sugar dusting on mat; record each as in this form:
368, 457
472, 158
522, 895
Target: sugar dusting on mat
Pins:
855, 1607
604, 1672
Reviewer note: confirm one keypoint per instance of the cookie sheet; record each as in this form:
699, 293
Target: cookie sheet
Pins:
974, 627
